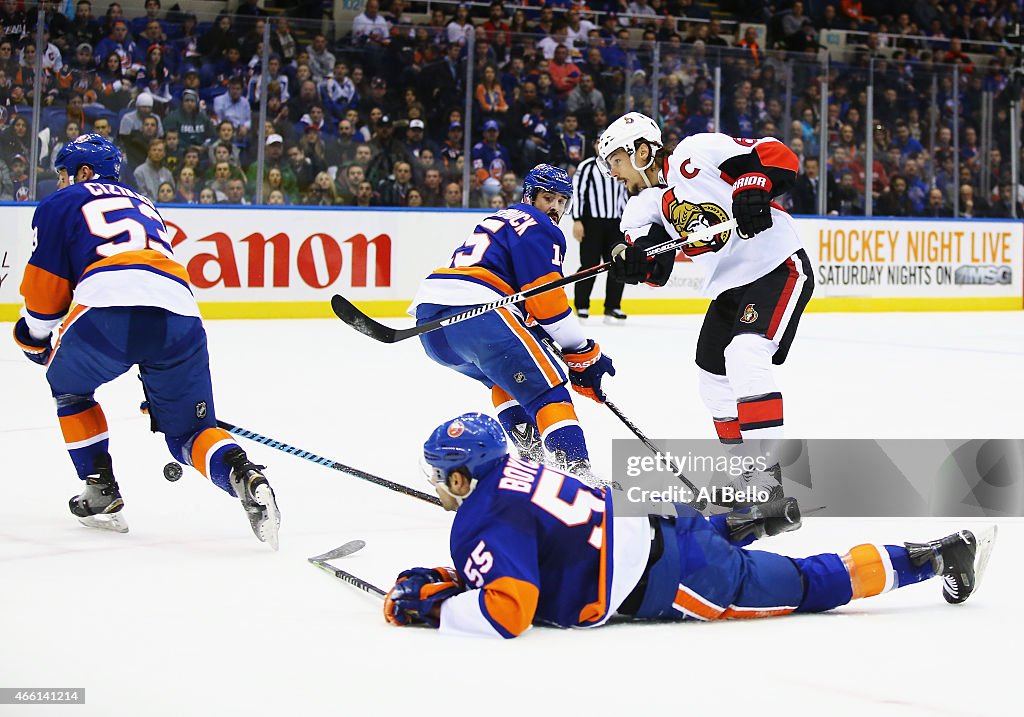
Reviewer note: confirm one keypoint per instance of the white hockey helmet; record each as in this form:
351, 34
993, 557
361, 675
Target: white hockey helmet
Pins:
624, 133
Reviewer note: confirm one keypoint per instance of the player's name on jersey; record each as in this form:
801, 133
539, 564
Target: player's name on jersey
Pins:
712, 494
99, 189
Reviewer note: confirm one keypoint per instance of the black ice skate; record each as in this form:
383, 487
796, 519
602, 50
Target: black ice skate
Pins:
614, 317
960, 559
257, 496
526, 439
100, 504
752, 487
772, 518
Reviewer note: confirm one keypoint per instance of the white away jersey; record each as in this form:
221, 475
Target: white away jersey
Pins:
699, 194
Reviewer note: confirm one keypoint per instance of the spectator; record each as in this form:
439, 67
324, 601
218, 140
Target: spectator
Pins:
906, 143
853, 10
322, 192
340, 150
188, 187
136, 144
321, 60
971, 206
207, 196
173, 150
83, 27
458, 29
846, 200
133, 121
282, 41
936, 206
277, 197
416, 141
1003, 207
804, 193
217, 39
273, 157
569, 147
150, 174
193, 125
71, 132
364, 196
301, 166
314, 119
373, 33
301, 103
394, 190
233, 107
432, 190
387, 150
101, 126
917, 190
112, 87
139, 24
496, 29
165, 194
247, 14
414, 199
444, 81
338, 92
564, 74
490, 158
584, 101
895, 202
119, 43
225, 137
490, 98
453, 196
235, 193
273, 181
750, 44
351, 177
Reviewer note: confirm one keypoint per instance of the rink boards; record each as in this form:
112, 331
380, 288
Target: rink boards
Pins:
287, 262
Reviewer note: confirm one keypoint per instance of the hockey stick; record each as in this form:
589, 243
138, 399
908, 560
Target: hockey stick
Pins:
321, 562
700, 504
320, 460
347, 311
697, 504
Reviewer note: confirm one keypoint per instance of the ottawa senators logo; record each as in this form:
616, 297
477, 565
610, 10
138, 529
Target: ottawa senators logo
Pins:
688, 217
749, 315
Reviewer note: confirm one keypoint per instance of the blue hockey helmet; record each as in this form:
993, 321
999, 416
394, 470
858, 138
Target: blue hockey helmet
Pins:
473, 444
546, 178
94, 151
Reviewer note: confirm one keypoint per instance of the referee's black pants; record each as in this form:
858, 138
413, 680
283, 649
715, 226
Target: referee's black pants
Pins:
599, 237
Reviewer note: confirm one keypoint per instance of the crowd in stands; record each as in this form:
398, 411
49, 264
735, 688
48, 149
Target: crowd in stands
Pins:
377, 116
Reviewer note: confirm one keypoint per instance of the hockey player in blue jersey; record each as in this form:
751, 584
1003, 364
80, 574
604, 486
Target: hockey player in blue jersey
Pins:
102, 269
515, 249
533, 545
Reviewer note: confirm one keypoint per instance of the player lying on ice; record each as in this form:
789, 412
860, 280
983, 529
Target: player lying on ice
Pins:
103, 270
534, 545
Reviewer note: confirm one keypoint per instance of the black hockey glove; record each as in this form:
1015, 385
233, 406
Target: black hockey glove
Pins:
751, 204
631, 265
36, 350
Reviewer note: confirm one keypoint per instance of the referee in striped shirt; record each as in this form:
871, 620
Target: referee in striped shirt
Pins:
597, 204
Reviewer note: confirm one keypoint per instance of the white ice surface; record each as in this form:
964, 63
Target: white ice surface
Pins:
189, 615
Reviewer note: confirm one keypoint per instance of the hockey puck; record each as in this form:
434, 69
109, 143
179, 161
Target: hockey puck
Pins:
172, 471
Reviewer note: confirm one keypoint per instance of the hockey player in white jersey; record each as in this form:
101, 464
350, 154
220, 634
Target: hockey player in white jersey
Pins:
759, 277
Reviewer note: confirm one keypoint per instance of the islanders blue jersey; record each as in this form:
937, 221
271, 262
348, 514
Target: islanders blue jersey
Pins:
98, 243
515, 249
533, 544
490, 161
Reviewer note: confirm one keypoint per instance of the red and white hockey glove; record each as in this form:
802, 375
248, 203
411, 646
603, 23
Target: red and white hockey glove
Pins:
418, 594
586, 367
751, 204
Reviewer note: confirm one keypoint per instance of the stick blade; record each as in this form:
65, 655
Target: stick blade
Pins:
347, 312
348, 548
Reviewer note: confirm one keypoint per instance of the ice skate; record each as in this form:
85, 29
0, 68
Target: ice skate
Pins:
257, 496
614, 317
960, 558
526, 439
100, 504
772, 518
752, 487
